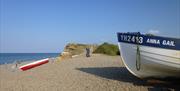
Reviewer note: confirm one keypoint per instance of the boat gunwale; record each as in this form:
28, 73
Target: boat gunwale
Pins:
145, 43
148, 35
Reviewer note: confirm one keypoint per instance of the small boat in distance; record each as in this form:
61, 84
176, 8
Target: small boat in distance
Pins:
34, 64
149, 56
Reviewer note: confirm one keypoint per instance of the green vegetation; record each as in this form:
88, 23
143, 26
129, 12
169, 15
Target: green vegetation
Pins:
108, 49
105, 48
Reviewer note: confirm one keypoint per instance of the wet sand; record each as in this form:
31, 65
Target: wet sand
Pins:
96, 73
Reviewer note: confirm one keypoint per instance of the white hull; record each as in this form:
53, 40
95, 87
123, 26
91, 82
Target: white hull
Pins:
155, 62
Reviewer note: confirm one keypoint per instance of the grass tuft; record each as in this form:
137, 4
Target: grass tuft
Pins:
108, 49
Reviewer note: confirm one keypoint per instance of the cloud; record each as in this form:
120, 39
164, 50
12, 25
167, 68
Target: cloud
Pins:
152, 31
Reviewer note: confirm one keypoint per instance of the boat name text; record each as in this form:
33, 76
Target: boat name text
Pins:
168, 42
134, 39
153, 41
139, 40
164, 42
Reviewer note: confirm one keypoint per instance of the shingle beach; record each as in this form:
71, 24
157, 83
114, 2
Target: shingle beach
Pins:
96, 73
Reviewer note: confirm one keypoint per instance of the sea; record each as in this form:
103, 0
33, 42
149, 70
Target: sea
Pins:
6, 58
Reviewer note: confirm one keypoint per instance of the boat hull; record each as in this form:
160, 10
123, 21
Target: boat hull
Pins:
150, 61
155, 62
34, 64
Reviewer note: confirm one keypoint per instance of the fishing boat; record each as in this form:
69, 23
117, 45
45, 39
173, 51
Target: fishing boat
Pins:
149, 56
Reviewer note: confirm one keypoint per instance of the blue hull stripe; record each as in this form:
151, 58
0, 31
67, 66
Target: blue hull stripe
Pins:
147, 40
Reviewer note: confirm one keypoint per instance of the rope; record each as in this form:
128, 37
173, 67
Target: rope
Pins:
138, 58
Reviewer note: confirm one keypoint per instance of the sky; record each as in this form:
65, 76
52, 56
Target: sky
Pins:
46, 26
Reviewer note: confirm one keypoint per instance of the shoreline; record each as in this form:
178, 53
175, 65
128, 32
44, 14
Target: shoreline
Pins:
13, 67
9, 58
25, 61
